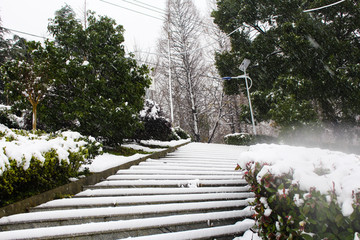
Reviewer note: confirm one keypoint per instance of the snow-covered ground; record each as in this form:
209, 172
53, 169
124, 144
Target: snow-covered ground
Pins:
310, 167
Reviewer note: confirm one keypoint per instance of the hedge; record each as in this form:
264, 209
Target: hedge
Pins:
246, 139
22, 178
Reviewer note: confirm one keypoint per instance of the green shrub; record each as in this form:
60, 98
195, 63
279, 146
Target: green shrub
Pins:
180, 133
155, 126
21, 178
283, 211
246, 139
238, 139
16, 183
125, 151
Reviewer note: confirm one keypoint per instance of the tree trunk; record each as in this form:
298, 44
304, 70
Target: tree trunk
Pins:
34, 111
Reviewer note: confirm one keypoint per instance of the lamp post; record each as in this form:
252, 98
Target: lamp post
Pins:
243, 67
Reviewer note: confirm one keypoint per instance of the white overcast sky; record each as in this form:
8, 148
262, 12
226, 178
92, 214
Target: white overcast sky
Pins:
31, 16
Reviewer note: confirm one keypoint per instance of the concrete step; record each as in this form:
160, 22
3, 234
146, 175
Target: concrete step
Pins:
171, 183
194, 193
184, 168
216, 165
228, 232
110, 192
170, 177
87, 215
196, 161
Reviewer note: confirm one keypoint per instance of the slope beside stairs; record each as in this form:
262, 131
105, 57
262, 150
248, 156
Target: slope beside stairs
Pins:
193, 193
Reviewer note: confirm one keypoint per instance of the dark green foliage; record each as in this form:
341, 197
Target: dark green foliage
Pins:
238, 139
181, 133
155, 126
305, 66
124, 151
294, 213
97, 89
157, 129
6, 120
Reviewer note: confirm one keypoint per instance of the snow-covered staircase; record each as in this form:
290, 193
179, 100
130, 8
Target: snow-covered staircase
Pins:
193, 193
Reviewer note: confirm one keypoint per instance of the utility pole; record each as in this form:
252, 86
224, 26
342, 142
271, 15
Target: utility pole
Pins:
85, 15
170, 85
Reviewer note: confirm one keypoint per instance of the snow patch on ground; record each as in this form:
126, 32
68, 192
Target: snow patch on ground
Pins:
172, 143
107, 161
141, 148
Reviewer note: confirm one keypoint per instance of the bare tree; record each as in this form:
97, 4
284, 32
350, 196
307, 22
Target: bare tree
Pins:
183, 37
199, 103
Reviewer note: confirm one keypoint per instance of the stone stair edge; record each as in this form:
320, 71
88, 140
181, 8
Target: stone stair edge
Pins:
77, 186
73, 231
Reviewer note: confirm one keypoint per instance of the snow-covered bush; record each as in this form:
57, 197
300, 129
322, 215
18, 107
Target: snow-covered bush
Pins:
238, 139
33, 162
247, 139
156, 126
180, 133
303, 193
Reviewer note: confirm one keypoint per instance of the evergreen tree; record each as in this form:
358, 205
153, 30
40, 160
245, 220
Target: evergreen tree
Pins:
98, 90
305, 65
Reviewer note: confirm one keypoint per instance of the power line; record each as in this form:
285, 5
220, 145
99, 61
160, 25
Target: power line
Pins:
142, 6
326, 6
162, 10
29, 34
116, 5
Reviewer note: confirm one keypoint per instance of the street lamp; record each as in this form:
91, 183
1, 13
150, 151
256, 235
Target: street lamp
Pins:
243, 68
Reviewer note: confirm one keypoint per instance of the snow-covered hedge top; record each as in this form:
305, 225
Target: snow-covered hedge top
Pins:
310, 167
23, 145
242, 135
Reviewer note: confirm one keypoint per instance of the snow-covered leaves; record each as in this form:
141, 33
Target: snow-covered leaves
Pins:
22, 146
307, 190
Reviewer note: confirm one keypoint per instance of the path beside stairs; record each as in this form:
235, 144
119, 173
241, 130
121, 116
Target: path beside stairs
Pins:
192, 193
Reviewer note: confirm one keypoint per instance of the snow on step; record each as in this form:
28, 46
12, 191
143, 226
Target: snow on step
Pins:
192, 162
217, 165
237, 228
61, 215
154, 191
167, 171
180, 167
125, 225
171, 177
179, 183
